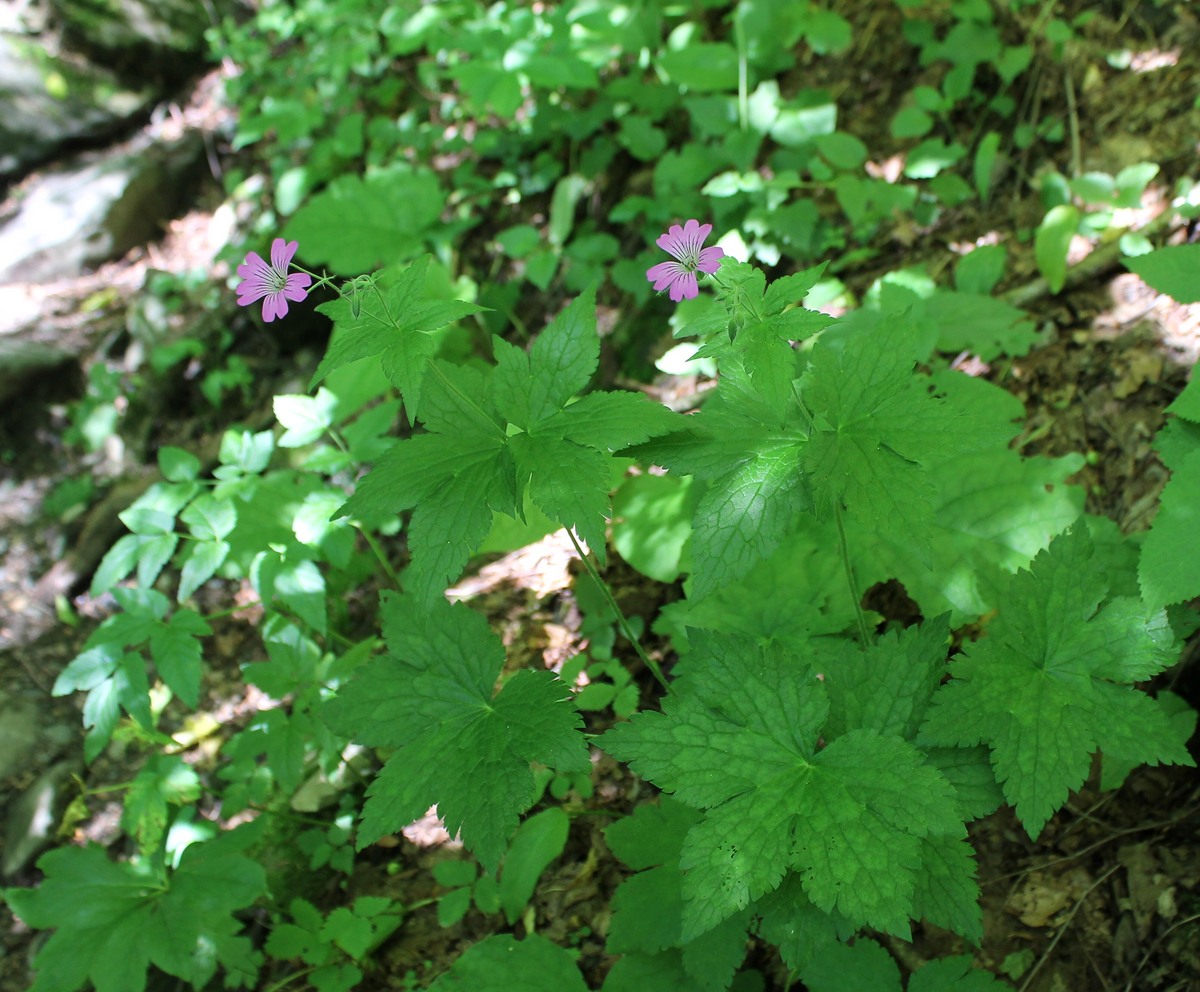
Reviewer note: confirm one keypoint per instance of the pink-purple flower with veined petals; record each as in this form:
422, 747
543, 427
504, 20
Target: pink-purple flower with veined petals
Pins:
685, 244
271, 283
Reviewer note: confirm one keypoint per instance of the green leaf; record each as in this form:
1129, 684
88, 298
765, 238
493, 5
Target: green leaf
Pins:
357, 224
887, 687
459, 743
612, 421
1172, 271
351, 933
980, 270
244, 453
876, 429
113, 920
501, 963
652, 834
118, 562
530, 388
453, 906
982, 325
652, 522
1043, 689
306, 418
848, 816
862, 965
398, 327
537, 842
1167, 575
519, 241
210, 518
568, 482
842, 150
177, 654
750, 455
911, 122
703, 67
164, 781
947, 893
932, 156
202, 562
1052, 241
567, 193
178, 465
955, 974
984, 169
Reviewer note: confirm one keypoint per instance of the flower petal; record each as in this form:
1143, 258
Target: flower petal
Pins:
274, 306
296, 287
664, 274
684, 287
282, 252
253, 267
251, 290
710, 259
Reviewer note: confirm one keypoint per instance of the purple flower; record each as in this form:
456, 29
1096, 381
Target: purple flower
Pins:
271, 283
684, 243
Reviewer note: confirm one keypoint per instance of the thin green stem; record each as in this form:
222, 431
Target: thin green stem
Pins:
374, 546
649, 662
739, 31
844, 545
287, 980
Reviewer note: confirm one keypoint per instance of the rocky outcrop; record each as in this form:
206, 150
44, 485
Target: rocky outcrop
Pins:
96, 207
78, 72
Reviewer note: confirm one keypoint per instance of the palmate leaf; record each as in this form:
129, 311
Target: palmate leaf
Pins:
1044, 690
460, 744
873, 426
739, 739
398, 327
765, 328
501, 435
749, 454
113, 920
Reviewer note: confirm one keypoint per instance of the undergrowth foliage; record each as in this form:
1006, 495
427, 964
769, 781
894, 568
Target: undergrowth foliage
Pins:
816, 767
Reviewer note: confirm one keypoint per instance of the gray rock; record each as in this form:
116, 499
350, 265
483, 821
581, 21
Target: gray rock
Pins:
50, 102
76, 218
19, 723
161, 38
33, 818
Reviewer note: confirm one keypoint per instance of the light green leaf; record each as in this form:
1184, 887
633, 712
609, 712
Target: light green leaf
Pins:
357, 224
1166, 574
537, 842
306, 418
177, 654
202, 562
1052, 241
1172, 270
703, 67
178, 465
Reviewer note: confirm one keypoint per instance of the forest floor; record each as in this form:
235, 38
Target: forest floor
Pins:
1107, 898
